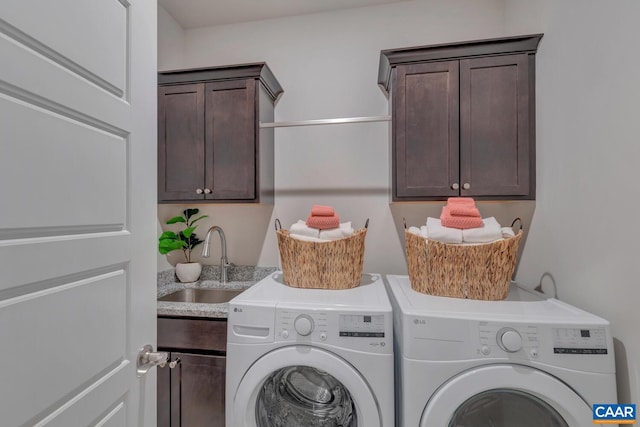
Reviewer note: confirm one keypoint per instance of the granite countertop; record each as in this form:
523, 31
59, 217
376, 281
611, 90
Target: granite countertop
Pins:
239, 277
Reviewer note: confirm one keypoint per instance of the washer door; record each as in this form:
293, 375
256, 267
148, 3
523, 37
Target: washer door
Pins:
503, 396
304, 386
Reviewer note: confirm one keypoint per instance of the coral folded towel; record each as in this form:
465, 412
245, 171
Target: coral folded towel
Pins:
320, 210
323, 222
460, 209
456, 221
461, 201
323, 217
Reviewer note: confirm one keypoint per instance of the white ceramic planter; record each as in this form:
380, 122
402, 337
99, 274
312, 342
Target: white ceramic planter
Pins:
188, 272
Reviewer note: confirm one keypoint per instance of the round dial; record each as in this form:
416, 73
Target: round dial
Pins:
509, 340
303, 325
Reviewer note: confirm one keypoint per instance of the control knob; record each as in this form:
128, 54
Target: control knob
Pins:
303, 325
509, 340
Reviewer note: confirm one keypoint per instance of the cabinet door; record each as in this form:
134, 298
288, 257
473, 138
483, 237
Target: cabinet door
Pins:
164, 395
180, 142
230, 131
197, 387
425, 129
495, 149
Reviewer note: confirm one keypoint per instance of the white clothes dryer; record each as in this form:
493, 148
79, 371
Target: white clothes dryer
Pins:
310, 357
526, 361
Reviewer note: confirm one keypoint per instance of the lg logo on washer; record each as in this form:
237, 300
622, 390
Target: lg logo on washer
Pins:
614, 414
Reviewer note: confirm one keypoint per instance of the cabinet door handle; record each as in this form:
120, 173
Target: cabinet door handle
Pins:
466, 186
174, 363
207, 191
199, 191
455, 186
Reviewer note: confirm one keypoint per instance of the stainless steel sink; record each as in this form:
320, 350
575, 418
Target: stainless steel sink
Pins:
210, 296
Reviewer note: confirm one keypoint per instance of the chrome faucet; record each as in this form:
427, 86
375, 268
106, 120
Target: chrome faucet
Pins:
224, 264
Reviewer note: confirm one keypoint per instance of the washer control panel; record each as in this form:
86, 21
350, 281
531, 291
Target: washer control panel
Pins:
498, 338
523, 340
357, 330
361, 325
579, 340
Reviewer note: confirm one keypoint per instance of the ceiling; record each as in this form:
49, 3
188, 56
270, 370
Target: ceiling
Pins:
202, 13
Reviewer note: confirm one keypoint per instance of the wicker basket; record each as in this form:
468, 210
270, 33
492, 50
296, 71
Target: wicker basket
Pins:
481, 272
336, 264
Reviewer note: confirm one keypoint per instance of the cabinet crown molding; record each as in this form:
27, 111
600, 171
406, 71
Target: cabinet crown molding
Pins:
258, 70
466, 49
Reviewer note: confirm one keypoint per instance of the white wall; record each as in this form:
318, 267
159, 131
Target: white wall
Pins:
170, 42
583, 231
328, 66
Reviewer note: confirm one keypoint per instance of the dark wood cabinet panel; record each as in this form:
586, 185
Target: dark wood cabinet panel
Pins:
192, 394
198, 385
494, 126
426, 106
463, 119
210, 146
180, 142
230, 125
164, 395
175, 333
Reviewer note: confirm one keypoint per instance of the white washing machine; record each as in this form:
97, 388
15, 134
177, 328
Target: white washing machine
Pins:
526, 361
310, 357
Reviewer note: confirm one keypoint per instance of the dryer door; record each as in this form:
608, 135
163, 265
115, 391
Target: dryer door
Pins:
504, 396
304, 386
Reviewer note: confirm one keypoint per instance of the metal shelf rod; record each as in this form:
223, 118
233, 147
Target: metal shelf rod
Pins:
326, 121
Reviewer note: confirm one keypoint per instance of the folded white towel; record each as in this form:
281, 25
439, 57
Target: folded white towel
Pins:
345, 230
436, 231
508, 232
489, 232
307, 238
422, 231
415, 230
300, 228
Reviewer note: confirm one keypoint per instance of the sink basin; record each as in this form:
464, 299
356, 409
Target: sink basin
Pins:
210, 296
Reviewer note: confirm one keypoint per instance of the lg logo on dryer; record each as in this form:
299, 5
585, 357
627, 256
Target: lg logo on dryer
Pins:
419, 322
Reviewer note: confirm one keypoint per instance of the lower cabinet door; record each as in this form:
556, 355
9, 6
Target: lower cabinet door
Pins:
192, 393
164, 395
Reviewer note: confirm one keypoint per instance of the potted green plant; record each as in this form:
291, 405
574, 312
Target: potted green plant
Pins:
184, 240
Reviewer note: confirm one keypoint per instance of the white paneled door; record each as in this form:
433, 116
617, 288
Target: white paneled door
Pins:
77, 211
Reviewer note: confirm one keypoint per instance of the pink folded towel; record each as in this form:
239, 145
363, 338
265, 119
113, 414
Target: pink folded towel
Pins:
461, 200
320, 210
323, 222
461, 222
460, 209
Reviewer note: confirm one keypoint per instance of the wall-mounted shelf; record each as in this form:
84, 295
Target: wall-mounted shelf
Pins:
326, 121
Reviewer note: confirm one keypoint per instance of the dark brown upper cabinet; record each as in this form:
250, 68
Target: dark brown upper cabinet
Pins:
210, 144
463, 119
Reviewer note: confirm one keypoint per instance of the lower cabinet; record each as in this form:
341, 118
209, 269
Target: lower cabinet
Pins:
192, 392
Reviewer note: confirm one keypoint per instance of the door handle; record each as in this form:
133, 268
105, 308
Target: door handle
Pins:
147, 359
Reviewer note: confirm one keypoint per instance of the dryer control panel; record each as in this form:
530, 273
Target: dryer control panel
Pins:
519, 338
355, 330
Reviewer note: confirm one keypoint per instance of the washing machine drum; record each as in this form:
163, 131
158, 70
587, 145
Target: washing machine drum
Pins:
505, 396
506, 408
301, 386
304, 396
